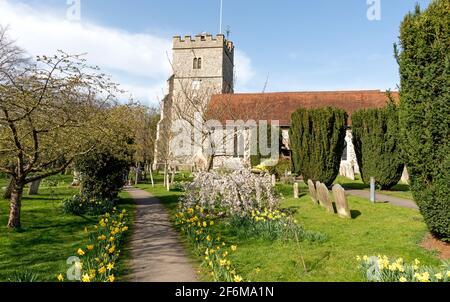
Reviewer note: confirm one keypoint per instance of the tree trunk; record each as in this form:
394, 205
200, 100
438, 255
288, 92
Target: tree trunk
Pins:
151, 177
210, 163
16, 203
34, 187
9, 189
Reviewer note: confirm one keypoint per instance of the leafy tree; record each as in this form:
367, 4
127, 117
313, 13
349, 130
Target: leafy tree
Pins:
376, 138
51, 111
318, 139
424, 59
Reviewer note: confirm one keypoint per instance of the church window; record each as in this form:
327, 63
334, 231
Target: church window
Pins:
345, 154
199, 63
195, 63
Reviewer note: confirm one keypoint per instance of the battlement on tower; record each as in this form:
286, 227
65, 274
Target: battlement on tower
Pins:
203, 41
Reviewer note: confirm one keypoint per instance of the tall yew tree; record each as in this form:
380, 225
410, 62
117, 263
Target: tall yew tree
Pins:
376, 139
424, 59
317, 137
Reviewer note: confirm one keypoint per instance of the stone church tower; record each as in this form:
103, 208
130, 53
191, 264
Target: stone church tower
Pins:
202, 66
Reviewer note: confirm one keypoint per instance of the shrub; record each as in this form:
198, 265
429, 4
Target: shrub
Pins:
102, 175
382, 269
425, 110
318, 139
376, 137
236, 193
79, 205
284, 165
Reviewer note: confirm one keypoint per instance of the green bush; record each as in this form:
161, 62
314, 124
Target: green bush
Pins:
102, 175
377, 144
318, 139
424, 59
284, 165
78, 205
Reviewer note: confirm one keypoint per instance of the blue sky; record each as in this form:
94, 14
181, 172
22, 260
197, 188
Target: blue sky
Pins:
299, 45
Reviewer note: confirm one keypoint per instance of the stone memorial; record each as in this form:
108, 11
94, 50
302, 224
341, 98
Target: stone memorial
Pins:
341, 202
312, 191
324, 197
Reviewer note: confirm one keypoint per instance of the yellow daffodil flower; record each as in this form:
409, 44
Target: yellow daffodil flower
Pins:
86, 278
80, 252
60, 278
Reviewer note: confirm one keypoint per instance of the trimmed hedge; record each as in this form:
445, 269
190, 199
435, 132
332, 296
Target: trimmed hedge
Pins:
317, 138
377, 144
424, 59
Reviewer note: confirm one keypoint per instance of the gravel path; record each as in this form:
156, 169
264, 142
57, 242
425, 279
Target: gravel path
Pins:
396, 201
156, 251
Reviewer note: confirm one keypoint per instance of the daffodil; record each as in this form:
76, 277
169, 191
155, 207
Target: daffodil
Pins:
234, 248
60, 278
86, 278
110, 266
439, 276
80, 252
111, 278
102, 270
237, 278
90, 247
112, 249
403, 280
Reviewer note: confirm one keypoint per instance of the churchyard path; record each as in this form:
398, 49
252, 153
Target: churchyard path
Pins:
157, 254
381, 198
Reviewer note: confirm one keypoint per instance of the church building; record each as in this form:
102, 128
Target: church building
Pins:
202, 81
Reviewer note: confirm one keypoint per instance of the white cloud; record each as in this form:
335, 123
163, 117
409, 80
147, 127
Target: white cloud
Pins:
138, 61
244, 69
138, 57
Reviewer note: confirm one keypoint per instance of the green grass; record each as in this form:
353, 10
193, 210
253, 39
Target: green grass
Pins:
374, 229
48, 237
401, 190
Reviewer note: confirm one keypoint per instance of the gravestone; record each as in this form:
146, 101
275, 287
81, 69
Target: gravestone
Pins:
34, 188
296, 190
312, 191
324, 197
341, 202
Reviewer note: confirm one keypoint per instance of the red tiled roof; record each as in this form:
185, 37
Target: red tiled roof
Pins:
281, 106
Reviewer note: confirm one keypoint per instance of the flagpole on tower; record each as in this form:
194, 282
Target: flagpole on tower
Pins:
221, 16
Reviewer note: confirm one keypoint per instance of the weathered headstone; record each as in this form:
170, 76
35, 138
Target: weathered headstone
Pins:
312, 191
341, 202
296, 190
34, 187
76, 179
324, 197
